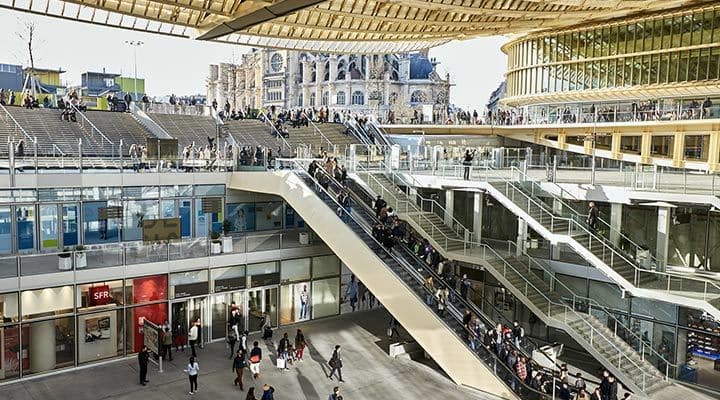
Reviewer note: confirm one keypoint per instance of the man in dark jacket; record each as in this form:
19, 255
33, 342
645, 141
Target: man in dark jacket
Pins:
128, 99
336, 364
239, 364
379, 205
335, 394
143, 359
592, 217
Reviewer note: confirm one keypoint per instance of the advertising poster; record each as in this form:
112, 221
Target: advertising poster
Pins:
268, 216
97, 329
241, 217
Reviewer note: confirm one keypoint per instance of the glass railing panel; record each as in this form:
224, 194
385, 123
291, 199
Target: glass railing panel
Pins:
8, 267
188, 248
101, 258
146, 253
38, 264
262, 242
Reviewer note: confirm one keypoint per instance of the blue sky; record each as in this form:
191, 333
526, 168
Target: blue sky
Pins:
174, 65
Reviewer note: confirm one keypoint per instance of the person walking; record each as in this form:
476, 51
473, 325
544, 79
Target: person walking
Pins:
251, 394
300, 345
592, 217
255, 359
268, 392
243, 341
335, 394
282, 350
239, 365
192, 370
336, 364
231, 340
193, 337
143, 360
266, 327
464, 286
167, 341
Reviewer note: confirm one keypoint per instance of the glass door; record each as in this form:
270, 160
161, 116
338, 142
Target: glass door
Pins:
5, 230
223, 305
197, 309
261, 301
25, 225
185, 213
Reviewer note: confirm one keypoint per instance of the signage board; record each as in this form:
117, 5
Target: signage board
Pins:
163, 229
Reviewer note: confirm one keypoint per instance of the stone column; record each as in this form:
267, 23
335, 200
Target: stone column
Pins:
449, 207
478, 199
521, 237
42, 346
664, 222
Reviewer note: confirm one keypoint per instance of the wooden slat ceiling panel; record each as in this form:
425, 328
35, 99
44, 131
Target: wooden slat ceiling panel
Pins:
375, 24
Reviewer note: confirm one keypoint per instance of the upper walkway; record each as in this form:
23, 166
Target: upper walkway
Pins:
692, 144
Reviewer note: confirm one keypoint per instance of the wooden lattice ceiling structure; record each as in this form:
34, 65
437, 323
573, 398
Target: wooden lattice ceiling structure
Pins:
361, 26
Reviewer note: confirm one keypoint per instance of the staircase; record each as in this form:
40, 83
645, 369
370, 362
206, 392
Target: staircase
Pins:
119, 126
430, 222
621, 359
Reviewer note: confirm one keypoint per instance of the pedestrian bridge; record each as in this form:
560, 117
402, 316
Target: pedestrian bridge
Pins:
691, 144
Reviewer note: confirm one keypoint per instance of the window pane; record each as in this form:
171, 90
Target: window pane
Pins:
51, 345
295, 270
42, 302
326, 297
100, 336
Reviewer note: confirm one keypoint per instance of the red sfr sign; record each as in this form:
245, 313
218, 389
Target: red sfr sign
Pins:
99, 295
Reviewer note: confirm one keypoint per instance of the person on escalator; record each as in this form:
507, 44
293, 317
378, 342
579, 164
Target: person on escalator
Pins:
379, 205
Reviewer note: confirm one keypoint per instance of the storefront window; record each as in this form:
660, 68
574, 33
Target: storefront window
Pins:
135, 318
46, 302
295, 303
146, 289
228, 279
100, 295
209, 190
324, 266
295, 270
5, 230
49, 239
14, 356
325, 297
70, 225
176, 191
100, 336
50, 345
8, 308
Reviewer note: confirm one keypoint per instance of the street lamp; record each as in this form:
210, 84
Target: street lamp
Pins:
135, 44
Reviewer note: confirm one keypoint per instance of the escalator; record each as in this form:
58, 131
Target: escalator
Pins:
389, 279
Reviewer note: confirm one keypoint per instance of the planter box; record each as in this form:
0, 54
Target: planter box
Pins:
227, 245
215, 248
65, 263
80, 260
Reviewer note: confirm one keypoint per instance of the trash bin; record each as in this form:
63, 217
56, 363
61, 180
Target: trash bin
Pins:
304, 238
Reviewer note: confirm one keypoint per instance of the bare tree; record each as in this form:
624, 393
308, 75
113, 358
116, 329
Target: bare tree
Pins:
27, 35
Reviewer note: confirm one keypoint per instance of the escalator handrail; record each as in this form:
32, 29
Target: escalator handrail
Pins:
300, 170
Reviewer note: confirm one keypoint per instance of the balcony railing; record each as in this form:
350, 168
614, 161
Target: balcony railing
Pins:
133, 253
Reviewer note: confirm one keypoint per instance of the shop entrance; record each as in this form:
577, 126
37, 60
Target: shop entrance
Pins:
261, 301
190, 310
222, 308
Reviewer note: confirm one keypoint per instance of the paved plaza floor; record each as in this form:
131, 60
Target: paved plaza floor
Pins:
369, 373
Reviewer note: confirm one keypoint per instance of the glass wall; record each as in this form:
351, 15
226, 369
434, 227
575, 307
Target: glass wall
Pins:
658, 50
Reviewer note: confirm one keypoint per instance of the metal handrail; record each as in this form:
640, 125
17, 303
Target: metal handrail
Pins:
268, 121
300, 169
614, 253
467, 232
323, 137
15, 123
467, 303
550, 302
145, 120
382, 135
84, 119
573, 210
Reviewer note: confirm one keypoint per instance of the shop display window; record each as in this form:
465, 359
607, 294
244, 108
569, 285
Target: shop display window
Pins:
100, 295
50, 345
46, 302
100, 335
146, 289
135, 319
8, 308
15, 356
325, 297
295, 305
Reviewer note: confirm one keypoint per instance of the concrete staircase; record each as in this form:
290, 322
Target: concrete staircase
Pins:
119, 126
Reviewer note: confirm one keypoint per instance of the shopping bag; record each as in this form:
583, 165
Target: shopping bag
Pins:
281, 363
